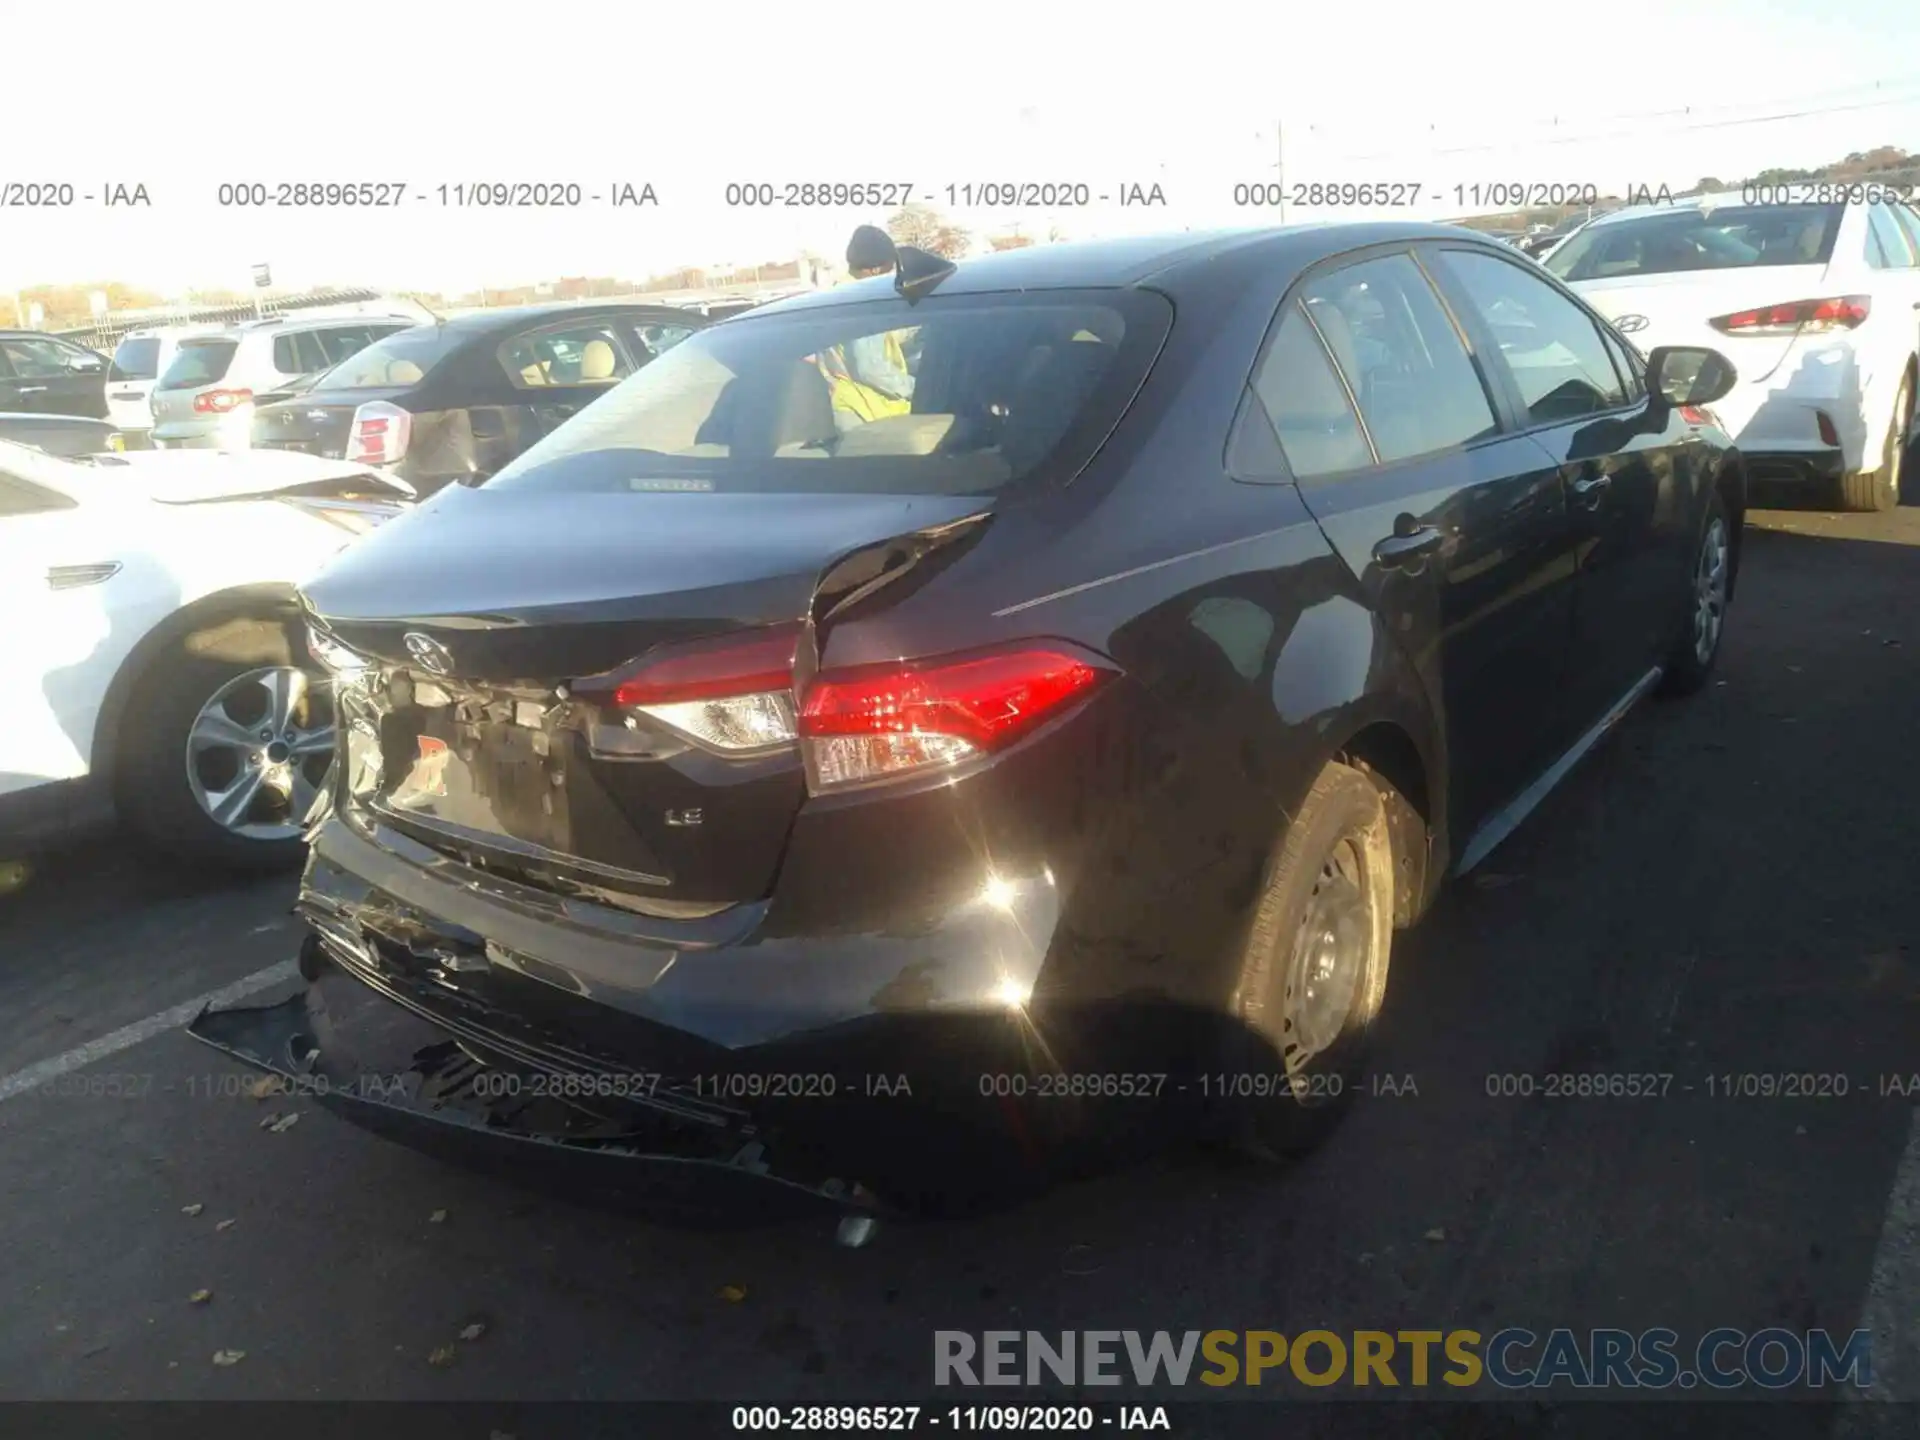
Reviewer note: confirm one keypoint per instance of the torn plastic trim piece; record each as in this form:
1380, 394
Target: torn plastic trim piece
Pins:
731, 1185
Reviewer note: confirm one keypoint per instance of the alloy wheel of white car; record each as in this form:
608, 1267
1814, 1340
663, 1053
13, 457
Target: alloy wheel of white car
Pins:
258, 752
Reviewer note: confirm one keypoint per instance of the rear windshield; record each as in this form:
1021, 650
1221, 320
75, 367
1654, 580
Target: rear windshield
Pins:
959, 395
136, 359
403, 358
1734, 237
198, 362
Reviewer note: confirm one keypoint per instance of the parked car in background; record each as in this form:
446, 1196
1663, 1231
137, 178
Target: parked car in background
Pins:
1816, 304
46, 375
164, 673
67, 435
139, 360
458, 399
1538, 245
1101, 710
204, 399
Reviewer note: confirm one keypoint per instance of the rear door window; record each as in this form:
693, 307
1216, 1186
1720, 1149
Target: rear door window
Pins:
136, 359
1302, 397
1417, 387
336, 343
199, 362
1551, 346
298, 353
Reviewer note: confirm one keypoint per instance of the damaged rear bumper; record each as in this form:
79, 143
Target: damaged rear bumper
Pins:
380, 1066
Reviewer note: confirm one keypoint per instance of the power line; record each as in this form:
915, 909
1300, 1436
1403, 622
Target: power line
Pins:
1588, 139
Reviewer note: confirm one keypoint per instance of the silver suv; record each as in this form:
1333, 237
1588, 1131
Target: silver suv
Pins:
204, 399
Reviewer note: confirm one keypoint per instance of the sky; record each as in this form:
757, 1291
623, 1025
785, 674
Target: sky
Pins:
691, 98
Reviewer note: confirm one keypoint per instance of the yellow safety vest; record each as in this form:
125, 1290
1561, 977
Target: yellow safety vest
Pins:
855, 397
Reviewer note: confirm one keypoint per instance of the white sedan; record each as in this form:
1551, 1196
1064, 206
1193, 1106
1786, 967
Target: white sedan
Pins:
1816, 301
152, 661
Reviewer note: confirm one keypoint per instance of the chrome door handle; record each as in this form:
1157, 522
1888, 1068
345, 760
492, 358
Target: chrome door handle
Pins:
1591, 489
31, 389
1398, 549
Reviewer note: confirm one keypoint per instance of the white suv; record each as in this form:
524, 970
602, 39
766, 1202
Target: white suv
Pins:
204, 399
141, 358
1816, 303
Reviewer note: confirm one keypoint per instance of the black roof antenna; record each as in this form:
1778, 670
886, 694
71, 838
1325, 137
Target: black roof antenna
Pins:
918, 272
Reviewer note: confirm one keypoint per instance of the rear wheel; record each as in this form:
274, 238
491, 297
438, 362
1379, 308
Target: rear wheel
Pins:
1313, 972
1711, 587
1880, 489
224, 752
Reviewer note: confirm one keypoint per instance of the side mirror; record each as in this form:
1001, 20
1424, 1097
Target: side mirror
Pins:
87, 364
1689, 375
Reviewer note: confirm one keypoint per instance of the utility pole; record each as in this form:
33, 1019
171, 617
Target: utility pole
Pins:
1280, 165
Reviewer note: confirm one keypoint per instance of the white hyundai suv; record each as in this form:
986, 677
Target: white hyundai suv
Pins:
1816, 302
153, 663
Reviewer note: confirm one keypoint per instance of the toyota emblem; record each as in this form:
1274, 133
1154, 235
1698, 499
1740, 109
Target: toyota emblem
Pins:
1631, 324
428, 652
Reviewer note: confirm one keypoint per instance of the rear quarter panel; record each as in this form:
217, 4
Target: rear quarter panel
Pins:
1249, 656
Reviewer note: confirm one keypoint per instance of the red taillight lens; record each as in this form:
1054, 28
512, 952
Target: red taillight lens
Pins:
712, 669
380, 434
877, 722
219, 402
1842, 312
733, 693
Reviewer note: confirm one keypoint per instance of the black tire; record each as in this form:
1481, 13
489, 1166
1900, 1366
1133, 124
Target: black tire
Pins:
151, 783
1687, 668
1879, 490
1301, 1069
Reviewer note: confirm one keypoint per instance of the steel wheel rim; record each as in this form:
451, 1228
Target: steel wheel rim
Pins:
1331, 950
1710, 591
258, 751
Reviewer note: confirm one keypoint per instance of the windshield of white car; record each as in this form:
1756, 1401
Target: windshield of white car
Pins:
1730, 237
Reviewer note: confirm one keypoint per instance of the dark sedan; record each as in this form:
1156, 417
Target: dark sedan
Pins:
459, 399
824, 773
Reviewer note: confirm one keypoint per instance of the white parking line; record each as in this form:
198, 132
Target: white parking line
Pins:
1893, 1286
22, 1081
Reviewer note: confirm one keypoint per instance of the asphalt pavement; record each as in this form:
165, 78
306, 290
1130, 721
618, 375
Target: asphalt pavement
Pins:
1725, 889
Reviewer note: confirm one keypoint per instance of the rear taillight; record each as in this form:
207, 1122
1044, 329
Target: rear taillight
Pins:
862, 724
733, 693
881, 722
220, 402
380, 434
1842, 312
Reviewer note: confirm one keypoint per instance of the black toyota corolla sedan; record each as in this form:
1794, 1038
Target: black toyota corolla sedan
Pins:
906, 728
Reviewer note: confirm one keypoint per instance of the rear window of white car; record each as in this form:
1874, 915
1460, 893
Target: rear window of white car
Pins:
1731, 237
136, 359
199, 362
